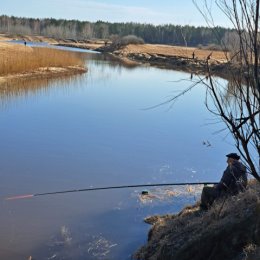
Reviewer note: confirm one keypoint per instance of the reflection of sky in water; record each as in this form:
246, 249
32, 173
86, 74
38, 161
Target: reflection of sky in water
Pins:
94, 131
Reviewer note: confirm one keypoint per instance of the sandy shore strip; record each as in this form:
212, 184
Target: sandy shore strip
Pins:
45, 72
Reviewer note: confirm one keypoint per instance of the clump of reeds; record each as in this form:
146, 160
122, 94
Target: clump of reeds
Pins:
15, 59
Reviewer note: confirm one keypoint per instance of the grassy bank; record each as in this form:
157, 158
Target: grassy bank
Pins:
229, 230
16, 59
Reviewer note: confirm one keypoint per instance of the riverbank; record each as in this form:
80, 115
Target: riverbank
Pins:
21, 61
229, 230
188, 59
192, 60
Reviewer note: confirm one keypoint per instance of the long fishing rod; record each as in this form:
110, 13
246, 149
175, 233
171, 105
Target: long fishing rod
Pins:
108, 188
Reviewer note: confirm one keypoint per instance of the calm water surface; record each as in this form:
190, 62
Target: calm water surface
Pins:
94, 130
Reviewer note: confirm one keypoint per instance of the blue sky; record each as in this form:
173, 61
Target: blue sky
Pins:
145, 11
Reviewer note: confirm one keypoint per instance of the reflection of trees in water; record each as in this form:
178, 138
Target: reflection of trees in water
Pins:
102, 66
241, 113
228, 92
237, 103
231, 93
111, 61
22, 87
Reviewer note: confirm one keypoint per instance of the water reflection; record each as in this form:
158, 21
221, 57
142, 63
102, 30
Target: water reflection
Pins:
238, 101
112, 64
24, 87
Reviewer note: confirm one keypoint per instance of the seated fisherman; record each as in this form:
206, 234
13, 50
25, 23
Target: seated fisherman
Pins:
233, 181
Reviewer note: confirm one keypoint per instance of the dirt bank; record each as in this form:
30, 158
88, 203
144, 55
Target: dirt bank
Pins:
192, 60
88, 45
172, 51
230, 230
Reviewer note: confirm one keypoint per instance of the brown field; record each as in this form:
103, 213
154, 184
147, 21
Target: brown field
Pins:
159, 49
35, 38
17, 59
177, 51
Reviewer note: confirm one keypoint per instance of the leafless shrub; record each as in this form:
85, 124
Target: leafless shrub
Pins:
131, 39
211, 47
241, 111
118, 42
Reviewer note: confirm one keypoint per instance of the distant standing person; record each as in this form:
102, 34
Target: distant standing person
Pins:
193, 55
209, 56
233, 181
25, 43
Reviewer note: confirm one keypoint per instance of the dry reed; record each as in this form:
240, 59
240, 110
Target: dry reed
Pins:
22, 59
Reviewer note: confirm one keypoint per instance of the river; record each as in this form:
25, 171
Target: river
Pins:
96, 130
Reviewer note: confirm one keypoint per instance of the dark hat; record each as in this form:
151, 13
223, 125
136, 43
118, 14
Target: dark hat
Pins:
233, 156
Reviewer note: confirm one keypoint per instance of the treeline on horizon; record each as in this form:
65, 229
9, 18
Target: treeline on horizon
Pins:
84, 30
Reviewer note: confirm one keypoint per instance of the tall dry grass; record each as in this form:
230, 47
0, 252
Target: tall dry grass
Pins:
21, 59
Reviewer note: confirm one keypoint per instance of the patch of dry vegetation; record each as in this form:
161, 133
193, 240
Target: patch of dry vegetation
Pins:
175, 51
22, 59
229, 230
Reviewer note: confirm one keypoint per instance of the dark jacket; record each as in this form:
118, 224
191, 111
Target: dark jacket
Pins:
234, 179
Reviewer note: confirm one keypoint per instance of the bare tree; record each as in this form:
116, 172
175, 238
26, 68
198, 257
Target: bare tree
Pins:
238, 103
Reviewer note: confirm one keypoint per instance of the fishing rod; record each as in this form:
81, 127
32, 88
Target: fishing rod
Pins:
108, 188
